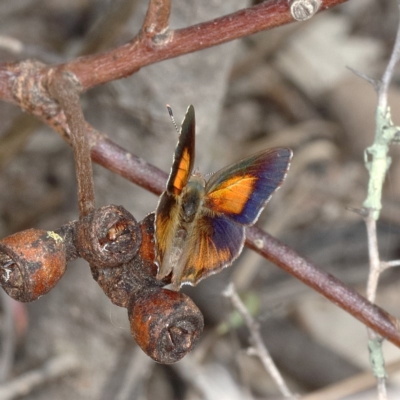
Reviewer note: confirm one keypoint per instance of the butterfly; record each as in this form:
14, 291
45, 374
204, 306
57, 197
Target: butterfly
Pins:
199, 225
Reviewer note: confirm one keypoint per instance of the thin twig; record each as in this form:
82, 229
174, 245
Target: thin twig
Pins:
24, 384
156, 21
387, 75
367, 78
377, 162
374, 261
389, 264
260, 349
65, 90
375, 341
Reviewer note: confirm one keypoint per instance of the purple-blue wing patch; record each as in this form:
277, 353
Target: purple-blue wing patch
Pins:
242, 190
217, 243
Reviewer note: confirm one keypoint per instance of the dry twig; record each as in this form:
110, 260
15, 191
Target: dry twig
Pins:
259, 349
377, 162
65, 88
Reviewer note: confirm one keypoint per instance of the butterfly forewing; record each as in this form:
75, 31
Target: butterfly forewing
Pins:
182, 165
165, 226
241, 191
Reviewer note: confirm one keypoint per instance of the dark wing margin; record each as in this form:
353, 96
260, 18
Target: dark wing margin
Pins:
217, 243
242, 190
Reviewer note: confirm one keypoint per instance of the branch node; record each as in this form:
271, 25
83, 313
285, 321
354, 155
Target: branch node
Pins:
156, 21
376, 357
301, 10
374, 82
361, 211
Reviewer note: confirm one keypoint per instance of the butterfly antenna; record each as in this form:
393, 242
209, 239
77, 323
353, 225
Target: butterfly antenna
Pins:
171, 115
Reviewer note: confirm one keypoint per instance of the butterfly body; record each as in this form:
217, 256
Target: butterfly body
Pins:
200, 226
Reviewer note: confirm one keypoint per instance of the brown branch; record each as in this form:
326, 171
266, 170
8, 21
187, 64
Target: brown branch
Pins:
125, 60
116, 159
65, 89
329, 286
148, 48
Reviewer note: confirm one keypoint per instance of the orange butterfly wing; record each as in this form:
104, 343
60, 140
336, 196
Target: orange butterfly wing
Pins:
182, 165
214, 243
167, 212
242, 190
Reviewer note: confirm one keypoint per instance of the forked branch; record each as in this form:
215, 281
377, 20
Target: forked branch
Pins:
156, 42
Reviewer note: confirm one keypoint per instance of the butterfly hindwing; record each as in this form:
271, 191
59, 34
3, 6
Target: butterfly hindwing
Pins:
215, 243
182, 165
165, 226
241, 191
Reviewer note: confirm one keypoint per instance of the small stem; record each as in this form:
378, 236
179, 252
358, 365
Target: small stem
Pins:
260, 349
381, 387
377, 162
387, 76
65, 89
375, 341
156, 21
389, 264
374, 262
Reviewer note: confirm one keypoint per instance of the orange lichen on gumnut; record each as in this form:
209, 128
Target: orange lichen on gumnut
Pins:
147, 249
165, 324
31, 263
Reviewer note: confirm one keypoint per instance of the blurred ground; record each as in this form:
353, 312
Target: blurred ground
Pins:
287, 87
